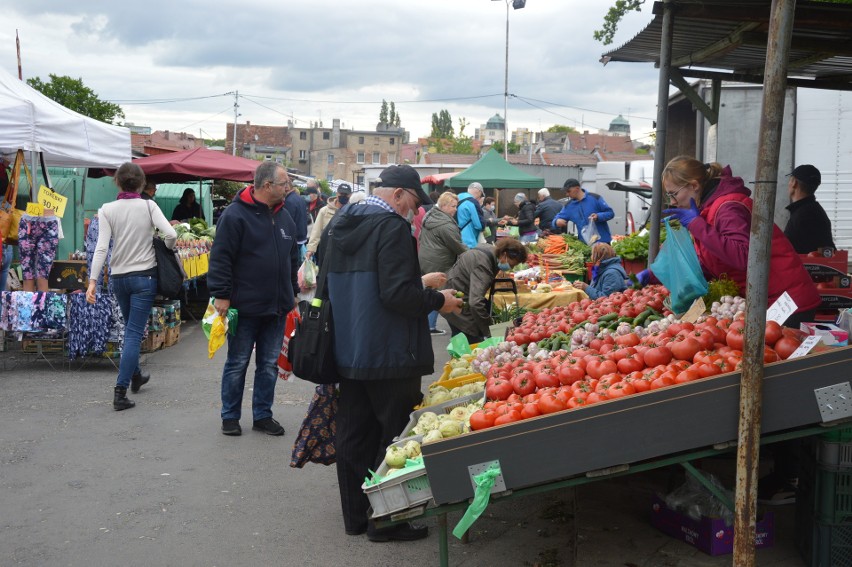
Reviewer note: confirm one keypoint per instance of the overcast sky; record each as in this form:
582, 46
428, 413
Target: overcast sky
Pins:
314, 60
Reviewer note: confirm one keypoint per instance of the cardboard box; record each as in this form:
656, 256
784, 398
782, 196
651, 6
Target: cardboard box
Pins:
172, 336
836, 265
835, 298
154, 341
710, 535
69, 274
832, 335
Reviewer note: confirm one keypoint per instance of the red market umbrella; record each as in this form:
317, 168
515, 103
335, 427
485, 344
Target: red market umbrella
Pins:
191, 165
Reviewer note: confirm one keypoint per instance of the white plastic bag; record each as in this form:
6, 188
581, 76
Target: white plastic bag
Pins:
308, 275
590, 232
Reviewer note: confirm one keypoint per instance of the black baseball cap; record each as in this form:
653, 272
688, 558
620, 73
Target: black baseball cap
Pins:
809, 175
571, 182
344, 189
405, 177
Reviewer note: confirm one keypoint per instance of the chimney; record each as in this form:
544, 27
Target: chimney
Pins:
166, 135
248, 123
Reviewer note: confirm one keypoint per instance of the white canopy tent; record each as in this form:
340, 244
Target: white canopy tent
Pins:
32, 122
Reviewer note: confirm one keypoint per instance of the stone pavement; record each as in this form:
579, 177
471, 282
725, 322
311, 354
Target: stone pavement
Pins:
159, 485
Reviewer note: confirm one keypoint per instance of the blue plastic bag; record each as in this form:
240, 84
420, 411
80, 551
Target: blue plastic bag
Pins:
677, 267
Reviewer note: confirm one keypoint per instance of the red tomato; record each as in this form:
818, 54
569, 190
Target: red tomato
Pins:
576, 402
707, 369
499, 390
785, 346
769, 355
706, 356
704, 338
676, 328
657, 356
773, 333
597, 367
528, 411
523, 383
685, 348
630, 364
482, 419
510, 417
687, 376
620, 389
549, 403
571, 373
596, 397
630, 340
735, 337
662, 381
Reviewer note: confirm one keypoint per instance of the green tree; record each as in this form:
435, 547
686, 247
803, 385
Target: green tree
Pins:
383, 113
513, 147
562, 129
442, 125
210, 143
398, 121
392, 114
462, 144
73, 94
226, 189
613, 18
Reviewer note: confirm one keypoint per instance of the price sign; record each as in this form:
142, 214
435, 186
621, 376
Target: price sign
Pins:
52, 200
695, 311
805, 347
783, 307
35, 209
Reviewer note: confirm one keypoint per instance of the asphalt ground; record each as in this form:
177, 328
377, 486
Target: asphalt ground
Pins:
159, 485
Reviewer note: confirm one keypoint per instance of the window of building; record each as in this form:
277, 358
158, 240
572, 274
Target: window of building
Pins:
360, 139
391, 141
330, 159
303, 154
326, 135
377, 157
303, 135
392, 158
360, 158
329, 176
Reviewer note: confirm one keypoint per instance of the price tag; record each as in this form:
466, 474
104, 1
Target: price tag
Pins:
783, 307
35, 209
52, 200
695, 311
806, 346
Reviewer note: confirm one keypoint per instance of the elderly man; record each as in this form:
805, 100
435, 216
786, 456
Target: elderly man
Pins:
469, 214
253, 266
382, 342
546, 209
809, 228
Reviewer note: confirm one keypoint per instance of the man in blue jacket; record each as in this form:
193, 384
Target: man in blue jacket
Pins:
469, 214
381, 336
585, 207
253, 268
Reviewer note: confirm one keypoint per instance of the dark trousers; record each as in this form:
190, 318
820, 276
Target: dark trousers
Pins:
370, 413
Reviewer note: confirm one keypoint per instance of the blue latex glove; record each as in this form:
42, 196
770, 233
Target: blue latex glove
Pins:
685, 216
594, 273
644, 277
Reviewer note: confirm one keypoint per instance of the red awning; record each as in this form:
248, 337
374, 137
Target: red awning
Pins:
191, 165
438, 178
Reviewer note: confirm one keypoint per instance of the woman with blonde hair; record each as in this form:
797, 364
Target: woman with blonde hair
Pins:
608, 275
715, 207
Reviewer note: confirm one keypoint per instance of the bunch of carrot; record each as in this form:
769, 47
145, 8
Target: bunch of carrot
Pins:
554, 244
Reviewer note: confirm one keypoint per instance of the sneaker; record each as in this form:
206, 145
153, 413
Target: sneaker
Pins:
399, 532
268, 426
437, 331
231, 427
138, 380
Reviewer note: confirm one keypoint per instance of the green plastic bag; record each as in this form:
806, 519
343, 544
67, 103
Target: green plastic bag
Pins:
514, 232
458, 346
482, 495
491, 341
210, 316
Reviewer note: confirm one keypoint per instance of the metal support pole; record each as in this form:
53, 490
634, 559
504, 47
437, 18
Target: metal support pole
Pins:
236, 115
662, 124
506, 93
763, 211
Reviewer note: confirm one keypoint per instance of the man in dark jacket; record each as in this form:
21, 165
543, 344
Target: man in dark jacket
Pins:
298, 209
382, 343
809, 228
546, 209
253, 267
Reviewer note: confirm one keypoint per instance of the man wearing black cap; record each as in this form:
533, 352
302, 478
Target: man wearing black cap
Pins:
583, 208
382, 343
809, 227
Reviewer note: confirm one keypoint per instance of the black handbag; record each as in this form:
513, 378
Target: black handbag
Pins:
170, 274
311, 348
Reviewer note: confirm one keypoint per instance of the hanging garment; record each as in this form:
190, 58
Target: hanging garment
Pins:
90, 244
7, 311
49, 311
89, 325
38, 238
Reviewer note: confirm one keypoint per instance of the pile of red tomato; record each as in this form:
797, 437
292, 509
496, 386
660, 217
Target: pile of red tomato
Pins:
618, 366
629, 303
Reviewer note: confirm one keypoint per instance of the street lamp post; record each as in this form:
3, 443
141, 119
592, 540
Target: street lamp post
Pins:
517, 5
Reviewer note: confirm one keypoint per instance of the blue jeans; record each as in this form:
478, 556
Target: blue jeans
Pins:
433, 320
265, 335
135, 296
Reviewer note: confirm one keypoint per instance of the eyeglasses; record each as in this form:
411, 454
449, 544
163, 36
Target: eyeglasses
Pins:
673, 194
284, 183
416, 198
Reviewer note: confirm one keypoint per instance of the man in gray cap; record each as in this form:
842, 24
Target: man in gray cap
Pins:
809, 228
382, 344
469, 214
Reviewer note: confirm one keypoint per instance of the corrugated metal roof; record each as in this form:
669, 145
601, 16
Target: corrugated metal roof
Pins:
721, 38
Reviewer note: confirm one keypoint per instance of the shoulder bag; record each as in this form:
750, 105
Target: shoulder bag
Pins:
10, 216
170, 274
311, 348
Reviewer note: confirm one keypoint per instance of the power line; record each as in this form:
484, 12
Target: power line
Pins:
583, 109
167, 100
204, 120
449, 99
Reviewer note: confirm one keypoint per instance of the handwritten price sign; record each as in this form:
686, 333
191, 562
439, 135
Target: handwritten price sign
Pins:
52, 200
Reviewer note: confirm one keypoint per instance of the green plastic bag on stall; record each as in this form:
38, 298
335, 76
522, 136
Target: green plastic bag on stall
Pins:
514, 232
481, 496
458, 346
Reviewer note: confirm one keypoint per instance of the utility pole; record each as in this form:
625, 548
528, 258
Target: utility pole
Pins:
236, 115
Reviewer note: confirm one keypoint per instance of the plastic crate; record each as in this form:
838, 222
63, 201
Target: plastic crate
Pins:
826, 545
451, 383
444, 407
825, 491
400, 492
835, 457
